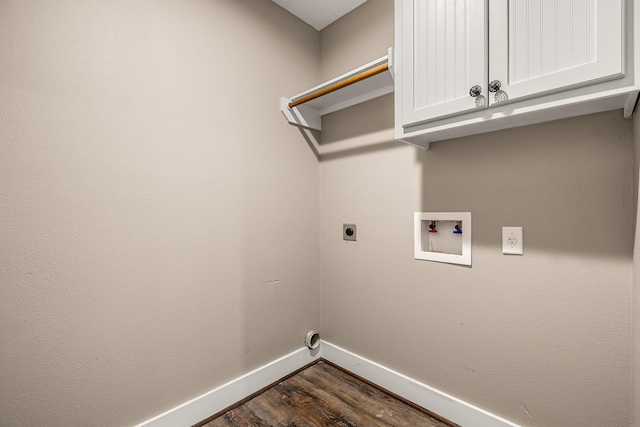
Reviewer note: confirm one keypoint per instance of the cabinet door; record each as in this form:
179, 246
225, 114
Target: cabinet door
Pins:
543, 46
444, 54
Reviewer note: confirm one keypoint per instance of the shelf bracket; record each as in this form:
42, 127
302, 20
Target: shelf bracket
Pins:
631, 105
301, 115
362, 84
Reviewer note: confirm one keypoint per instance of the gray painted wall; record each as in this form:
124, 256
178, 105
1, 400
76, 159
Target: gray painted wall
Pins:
543, 339
635, 396
148, 187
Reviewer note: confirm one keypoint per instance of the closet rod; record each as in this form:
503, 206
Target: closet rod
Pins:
344, 83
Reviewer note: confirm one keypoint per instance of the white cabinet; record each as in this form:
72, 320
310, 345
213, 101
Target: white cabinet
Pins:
538, 46
463, 62
444, 51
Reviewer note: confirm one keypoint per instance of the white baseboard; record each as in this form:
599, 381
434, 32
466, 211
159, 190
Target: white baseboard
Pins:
211, 402
449, 407
441, 403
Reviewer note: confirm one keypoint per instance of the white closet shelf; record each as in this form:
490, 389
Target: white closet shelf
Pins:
362, 84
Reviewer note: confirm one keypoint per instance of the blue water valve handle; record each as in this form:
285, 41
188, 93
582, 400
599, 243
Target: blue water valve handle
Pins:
457, 229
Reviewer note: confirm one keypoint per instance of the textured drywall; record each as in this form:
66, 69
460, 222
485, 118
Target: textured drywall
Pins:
635, 396
542, 339
158, 216
342, 41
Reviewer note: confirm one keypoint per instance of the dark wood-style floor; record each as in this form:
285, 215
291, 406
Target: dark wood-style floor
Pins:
324, 395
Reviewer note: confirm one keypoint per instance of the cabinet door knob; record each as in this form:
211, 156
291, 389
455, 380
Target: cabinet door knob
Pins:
475, 91
494, 86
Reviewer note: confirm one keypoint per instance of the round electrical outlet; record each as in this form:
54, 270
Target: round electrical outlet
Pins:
348, 231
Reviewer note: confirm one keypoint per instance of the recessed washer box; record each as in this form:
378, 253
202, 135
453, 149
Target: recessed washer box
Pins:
442, 237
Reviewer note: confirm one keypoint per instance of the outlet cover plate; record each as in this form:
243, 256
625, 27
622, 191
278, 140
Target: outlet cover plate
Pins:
512, 243
349, 232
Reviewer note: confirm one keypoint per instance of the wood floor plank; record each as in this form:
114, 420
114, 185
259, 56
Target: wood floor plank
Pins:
270, 407
267, 410
324, 396
325, 408
388, 410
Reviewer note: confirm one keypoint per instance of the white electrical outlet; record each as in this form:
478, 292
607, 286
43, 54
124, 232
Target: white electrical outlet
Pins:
512, 240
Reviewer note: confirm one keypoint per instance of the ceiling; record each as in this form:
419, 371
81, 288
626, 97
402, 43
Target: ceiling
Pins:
319, 13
